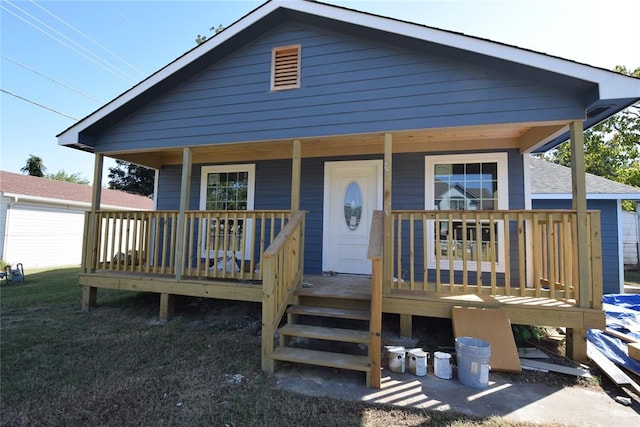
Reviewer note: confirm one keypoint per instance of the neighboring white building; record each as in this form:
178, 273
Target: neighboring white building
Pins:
42, 220
630, 237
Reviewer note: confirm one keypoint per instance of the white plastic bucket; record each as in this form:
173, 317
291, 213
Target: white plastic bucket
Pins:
397, 360
418, 362
442, 365
473, 356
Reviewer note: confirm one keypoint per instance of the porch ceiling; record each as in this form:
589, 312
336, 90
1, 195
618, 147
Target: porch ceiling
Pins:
526, 137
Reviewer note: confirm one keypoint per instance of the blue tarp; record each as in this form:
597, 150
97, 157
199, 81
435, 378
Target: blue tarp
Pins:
622, 313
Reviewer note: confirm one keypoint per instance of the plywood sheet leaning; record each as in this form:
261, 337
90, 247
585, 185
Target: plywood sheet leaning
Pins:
492, 326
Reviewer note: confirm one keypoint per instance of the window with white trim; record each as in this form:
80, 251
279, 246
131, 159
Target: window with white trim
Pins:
466, 182
285, 67
227, 188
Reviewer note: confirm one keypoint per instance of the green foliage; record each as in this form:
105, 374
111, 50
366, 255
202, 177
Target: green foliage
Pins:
34, 166
132, 178
3, 264
611, 147
525, 333
61, 175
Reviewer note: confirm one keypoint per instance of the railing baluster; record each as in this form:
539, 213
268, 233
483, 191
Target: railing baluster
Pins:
425, 253
451, 247
438, 249
506, 224
465, 256
551, 255
412, 259
522, 256
479, 252
398, 274
492, 252
537, 255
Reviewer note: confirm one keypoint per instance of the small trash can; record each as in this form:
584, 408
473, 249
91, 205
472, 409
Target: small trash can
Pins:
397, 360
442, 365
418, 362
472, 355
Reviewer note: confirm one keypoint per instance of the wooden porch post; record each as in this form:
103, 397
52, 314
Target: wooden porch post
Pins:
166, 306
185, 190
296, 168
577, 338
89, 293
387, 264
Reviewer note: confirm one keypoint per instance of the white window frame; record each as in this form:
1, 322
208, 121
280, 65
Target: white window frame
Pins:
250, 168
502, 161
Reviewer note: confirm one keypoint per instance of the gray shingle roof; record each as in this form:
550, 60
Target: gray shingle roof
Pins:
549, 178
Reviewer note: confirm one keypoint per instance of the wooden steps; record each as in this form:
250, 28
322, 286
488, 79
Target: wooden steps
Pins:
325, 314
322, 358
323, 333
341, 313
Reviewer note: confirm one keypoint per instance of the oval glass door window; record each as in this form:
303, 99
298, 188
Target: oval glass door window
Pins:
353, 205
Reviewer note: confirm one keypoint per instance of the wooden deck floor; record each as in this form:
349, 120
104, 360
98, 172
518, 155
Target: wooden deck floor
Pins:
345, 286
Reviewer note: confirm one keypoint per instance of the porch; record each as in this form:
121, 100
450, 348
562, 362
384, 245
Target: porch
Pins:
260, 259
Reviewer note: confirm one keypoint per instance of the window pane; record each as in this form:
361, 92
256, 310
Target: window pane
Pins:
227, 190
473, 186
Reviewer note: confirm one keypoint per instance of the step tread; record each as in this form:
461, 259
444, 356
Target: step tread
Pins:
324, 333
341, 313
322, 358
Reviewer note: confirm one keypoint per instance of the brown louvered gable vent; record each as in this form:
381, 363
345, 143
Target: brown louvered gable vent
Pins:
285, 67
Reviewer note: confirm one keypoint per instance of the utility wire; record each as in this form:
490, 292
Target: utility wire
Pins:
53, 80
129, 78
90, 39
35, 103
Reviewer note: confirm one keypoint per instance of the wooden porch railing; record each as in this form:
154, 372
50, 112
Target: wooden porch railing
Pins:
283, 266
518, 253
217, 244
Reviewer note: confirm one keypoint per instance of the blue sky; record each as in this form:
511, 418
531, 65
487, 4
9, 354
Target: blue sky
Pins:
105, 47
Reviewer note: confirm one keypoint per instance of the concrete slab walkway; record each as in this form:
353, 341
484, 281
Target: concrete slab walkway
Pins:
533, 402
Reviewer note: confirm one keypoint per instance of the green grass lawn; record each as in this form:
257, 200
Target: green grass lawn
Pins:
119, 365
632, 277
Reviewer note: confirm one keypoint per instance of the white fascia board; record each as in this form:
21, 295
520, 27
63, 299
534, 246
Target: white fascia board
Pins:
611, 85
18, 198
590, 196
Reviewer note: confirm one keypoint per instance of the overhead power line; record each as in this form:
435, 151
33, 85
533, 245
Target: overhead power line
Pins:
142, 73
37, 104
119, 73
51, 79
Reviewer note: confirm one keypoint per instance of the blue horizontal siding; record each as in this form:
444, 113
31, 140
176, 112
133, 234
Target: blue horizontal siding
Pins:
609, 237
273, 191
349, 85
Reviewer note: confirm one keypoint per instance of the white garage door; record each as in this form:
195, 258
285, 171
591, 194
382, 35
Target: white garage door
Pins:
44, 237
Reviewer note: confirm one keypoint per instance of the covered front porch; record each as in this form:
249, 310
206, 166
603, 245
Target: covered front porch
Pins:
541, 267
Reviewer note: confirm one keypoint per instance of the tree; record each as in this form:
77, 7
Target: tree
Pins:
132, 178
34, 166
61, 175
611, 148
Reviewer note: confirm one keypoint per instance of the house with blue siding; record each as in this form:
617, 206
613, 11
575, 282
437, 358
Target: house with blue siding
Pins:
305, 157
551, 189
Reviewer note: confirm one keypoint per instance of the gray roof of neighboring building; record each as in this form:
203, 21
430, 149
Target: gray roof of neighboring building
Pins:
549, 179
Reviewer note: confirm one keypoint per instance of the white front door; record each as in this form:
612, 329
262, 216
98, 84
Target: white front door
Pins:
352, 191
